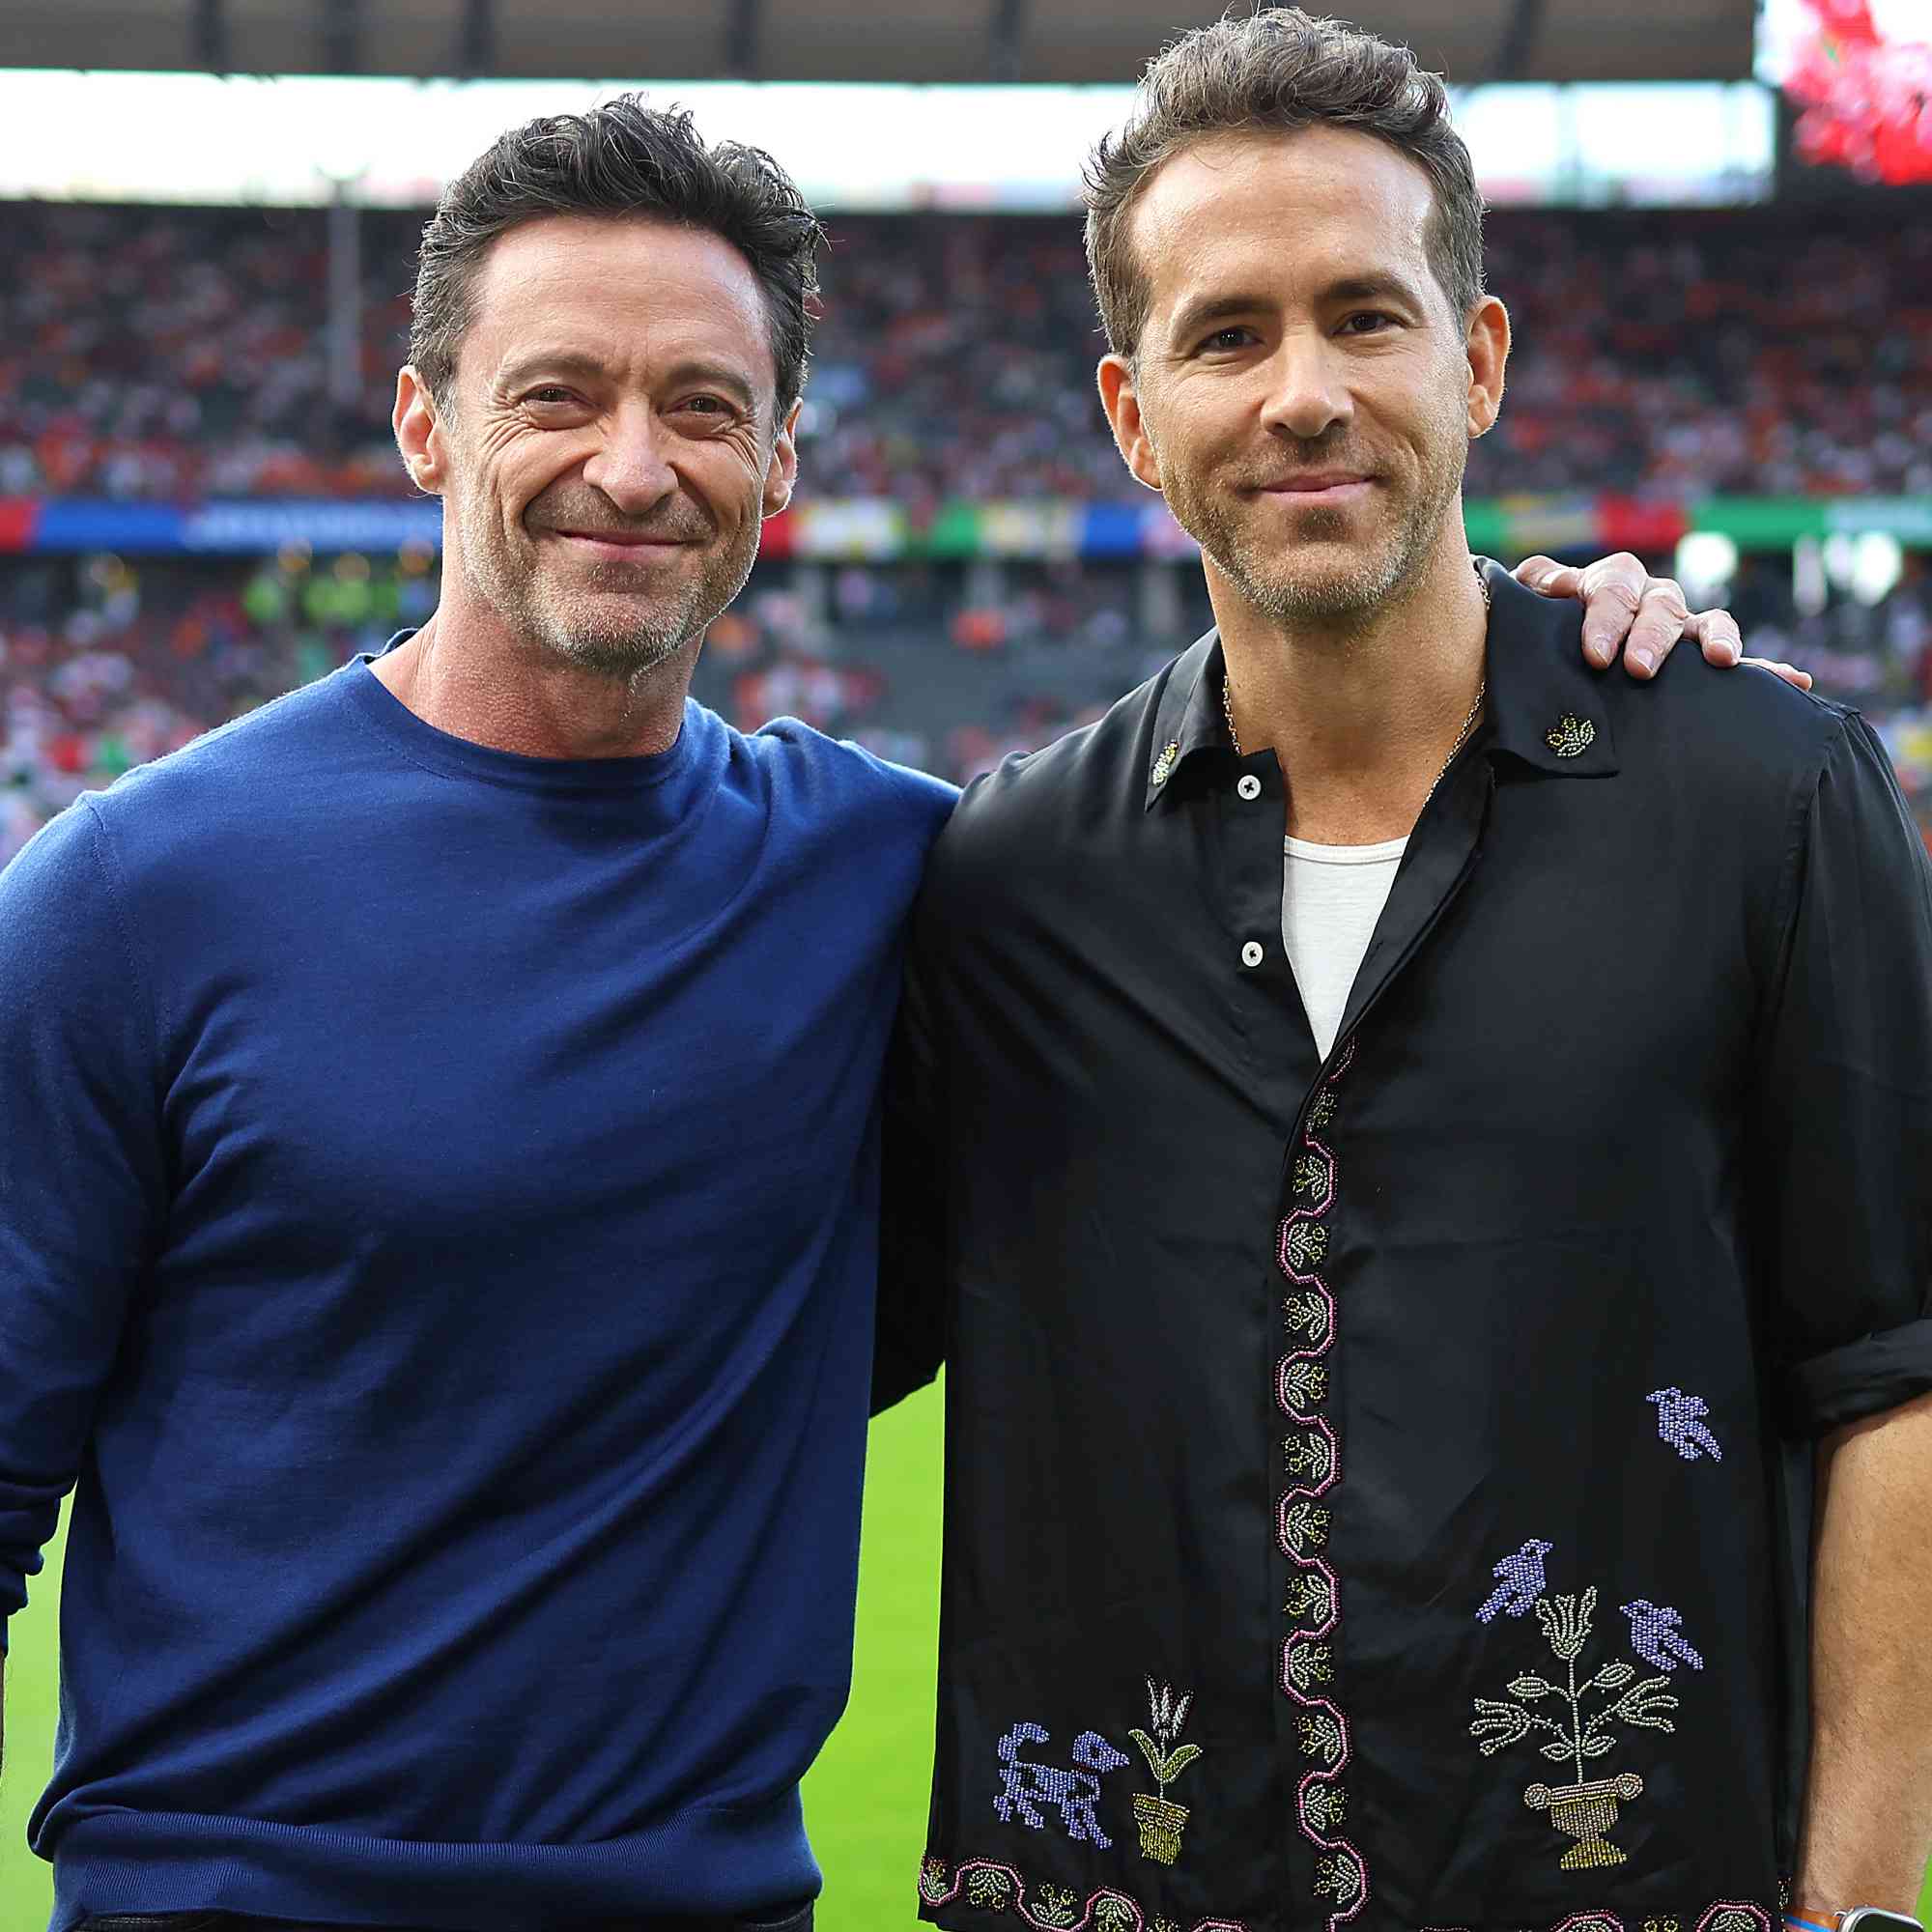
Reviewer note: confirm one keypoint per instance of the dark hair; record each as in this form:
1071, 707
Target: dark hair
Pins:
620, 160
1280, 70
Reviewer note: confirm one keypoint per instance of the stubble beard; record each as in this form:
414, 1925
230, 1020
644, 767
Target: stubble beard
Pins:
1281, 584
602, 623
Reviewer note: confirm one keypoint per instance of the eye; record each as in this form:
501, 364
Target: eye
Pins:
551, 395
707, 406
1376, 322
1224, 340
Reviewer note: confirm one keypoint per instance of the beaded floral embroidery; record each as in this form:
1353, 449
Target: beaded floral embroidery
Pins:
992, 1887
1161, 1822
1311, 1456
1725, 1916
1586, 1807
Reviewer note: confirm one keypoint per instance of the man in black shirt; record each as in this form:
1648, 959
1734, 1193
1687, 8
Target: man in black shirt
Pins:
1393, 1283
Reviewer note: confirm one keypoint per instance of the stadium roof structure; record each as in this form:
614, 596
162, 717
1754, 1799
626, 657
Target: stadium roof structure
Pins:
1066, 41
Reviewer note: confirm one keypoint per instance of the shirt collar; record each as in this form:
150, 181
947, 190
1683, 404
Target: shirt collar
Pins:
1545, 703
1189, 721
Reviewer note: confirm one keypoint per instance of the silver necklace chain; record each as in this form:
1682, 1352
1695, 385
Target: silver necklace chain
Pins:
1468, 722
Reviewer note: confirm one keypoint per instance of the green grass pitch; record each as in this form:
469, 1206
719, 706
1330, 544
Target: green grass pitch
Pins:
865, 1801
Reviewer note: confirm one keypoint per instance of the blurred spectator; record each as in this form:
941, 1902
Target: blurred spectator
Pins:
180, 353
105, 665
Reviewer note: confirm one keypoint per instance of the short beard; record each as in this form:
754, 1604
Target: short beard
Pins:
1349, 597
622, 641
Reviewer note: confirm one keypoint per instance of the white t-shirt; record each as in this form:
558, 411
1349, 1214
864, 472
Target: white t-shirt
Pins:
1331, 896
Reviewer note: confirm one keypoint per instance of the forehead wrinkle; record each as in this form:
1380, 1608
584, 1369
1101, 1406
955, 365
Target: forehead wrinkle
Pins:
605, 288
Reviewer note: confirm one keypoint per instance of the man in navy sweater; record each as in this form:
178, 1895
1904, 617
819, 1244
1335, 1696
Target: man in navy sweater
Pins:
439, 1212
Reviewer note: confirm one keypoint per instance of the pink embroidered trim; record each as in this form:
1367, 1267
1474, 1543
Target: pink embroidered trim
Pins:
1008, 1891
1301, 1528
1712, 1920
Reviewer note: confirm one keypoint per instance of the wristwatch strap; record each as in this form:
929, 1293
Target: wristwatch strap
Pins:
1858, 1919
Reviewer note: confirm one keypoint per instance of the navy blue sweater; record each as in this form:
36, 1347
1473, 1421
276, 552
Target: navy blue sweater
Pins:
438, 1225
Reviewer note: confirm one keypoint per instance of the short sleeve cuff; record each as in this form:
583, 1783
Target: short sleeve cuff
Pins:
1865, 1378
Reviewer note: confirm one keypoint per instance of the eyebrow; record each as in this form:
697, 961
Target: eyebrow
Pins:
1198, 313
575, 362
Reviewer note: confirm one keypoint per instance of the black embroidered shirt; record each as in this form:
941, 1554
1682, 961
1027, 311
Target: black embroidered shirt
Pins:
1374, 1485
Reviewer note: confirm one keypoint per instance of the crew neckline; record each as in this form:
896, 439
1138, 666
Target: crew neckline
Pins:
425, 743
1346, 855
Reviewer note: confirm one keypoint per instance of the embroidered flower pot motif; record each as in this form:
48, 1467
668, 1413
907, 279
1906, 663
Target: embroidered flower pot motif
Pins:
932, 1881
1586, 1807
1113, 1915
1075, 1793
1586, 1812
1572, 737
1161, 1822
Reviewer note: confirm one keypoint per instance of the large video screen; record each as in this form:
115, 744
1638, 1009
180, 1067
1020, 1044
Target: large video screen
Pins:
1859, 75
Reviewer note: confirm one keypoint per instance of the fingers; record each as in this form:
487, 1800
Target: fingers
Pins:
1612, 593
1790, 673
1660, 620
1717, 632
1548, 577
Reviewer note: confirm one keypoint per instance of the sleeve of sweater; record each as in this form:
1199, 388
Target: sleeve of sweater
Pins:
82, 1176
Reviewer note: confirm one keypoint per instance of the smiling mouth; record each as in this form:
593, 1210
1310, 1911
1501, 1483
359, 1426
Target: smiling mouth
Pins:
1319, 485
623, 539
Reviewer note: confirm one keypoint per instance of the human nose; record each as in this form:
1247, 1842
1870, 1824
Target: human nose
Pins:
631, 466
1307, 392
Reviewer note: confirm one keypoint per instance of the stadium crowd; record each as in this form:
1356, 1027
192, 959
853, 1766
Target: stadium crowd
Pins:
108, 662
177, 354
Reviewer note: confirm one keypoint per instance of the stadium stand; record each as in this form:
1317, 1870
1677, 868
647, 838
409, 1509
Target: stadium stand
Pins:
175, 354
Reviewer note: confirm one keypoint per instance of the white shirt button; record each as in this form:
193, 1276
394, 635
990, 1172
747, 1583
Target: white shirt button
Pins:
1249, 787
1251, 954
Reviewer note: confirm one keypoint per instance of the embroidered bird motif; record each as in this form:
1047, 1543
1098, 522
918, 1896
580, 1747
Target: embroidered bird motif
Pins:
1522, 1571
1678, 1424
1654, 1636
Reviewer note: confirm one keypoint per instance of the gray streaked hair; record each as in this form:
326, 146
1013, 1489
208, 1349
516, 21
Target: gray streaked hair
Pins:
620, 159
